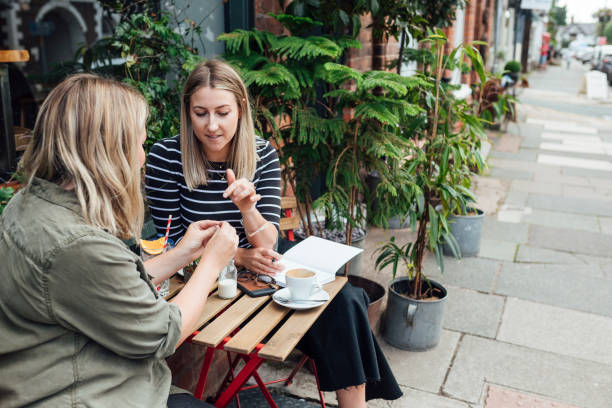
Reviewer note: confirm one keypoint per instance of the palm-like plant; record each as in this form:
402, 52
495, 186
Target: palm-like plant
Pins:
371, 139
284, 76
444, 151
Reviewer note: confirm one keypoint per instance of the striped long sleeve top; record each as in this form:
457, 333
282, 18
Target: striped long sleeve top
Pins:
167, 192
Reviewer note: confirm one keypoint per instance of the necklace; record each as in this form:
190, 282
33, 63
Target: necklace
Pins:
220, 166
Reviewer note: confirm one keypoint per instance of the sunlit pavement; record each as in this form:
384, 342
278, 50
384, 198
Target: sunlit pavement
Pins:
528, 321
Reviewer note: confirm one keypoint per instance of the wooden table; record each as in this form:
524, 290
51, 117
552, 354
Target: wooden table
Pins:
257, 329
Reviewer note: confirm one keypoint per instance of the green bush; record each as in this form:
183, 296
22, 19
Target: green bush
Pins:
513, 66
608, 32
147, 52
6, 193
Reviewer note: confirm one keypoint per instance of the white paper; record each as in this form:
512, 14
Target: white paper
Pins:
322, 256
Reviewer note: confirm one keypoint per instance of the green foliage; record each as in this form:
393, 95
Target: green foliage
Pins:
513, 66
608, 32
392, 254
6, 193
558, 15
443, 148
370, 140
146, 51
286, 77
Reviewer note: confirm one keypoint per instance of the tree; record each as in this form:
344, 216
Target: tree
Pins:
608, 32
603, 17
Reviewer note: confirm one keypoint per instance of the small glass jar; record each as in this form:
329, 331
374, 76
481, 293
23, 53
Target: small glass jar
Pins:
228, 281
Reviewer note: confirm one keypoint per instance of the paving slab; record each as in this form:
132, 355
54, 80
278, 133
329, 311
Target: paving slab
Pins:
472, 273
563, 127
569, 205
528, 155
574, 171
577, 287
561, 179
562, 219
524, 129
504, 231
605, 183
419, 399
575, 241
473, 312
549, 375
507, 143
605, 224
529, 186
498, 397
587, 192
496, 249
489, 193
531, 142
423, 370
529, 254
509, 174
557, 330
516, 199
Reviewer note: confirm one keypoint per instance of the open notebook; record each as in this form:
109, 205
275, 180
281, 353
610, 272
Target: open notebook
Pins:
319, 255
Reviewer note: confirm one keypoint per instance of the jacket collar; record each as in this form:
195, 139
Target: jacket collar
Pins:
55, 194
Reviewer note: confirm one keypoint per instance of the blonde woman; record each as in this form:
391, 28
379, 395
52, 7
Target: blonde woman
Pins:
81, 323
217, 169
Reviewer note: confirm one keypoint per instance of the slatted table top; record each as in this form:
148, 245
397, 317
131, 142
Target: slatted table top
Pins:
259, 319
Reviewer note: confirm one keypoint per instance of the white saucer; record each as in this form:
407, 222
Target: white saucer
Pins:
321, 297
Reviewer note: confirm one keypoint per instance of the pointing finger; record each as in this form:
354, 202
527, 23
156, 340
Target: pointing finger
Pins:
231, 177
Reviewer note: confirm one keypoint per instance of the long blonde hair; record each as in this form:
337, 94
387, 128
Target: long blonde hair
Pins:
87, 135
243, 152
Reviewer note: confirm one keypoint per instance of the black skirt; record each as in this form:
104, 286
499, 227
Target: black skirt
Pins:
345, 350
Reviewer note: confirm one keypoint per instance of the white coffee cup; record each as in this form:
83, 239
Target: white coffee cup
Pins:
302, 283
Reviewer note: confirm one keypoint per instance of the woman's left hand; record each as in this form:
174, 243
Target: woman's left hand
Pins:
241, 192
195, 239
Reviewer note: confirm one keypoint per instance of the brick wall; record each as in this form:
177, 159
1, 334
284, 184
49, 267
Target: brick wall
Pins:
265, 22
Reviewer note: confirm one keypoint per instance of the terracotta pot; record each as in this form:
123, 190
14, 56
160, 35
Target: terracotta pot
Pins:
15, 185
376, 293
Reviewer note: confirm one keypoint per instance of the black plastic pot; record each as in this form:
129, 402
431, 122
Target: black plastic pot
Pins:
375, 292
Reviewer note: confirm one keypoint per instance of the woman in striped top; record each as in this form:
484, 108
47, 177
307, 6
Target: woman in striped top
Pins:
209, 176
217, 170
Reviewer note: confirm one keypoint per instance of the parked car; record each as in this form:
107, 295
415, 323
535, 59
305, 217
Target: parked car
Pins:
601, 52
584, 54
606, 65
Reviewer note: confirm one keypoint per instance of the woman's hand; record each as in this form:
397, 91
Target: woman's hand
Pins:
241, 192
260, 260
221, 247
195, 239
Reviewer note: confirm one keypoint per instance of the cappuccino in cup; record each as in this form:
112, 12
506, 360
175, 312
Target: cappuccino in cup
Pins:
302, 283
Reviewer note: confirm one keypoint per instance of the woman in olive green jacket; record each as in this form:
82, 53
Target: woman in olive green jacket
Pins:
81, 323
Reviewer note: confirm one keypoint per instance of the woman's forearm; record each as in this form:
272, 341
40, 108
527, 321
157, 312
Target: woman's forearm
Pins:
165, 265
260, 232
192, 297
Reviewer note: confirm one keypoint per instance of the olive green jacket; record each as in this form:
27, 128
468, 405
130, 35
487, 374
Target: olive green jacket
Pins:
81, 324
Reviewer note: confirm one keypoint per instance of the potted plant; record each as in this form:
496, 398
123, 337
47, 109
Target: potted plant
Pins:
437, 180
513, 69
301, 107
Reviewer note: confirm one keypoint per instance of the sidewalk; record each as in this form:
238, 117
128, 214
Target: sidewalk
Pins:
528, 321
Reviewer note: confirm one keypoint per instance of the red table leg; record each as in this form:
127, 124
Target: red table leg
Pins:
241, 378
199, 392
264, 390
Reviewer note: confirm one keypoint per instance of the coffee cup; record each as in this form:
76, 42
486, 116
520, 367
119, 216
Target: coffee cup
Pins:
301, 283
